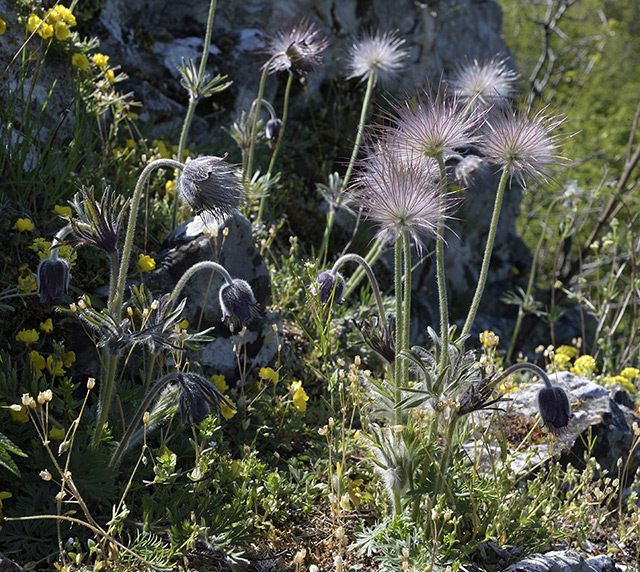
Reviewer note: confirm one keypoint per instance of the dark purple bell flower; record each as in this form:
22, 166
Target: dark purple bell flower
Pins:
238, 303
197, 396
328, 285
272, 131
53, 279
554, 407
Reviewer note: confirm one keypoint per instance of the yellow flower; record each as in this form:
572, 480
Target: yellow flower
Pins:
37, 362
33, 22
561, 362
28, 336
21, 416
110, 76
630, 372
28, 283
46, 31
68, 358
163, 150
269, 374
60, 210
61, 31
219, 382
56, 368
46, 326
130, 144
183, 324
170, 186
146, 263
226, 411
3, 26
57, 433
65, 14
569, 351
620, 379
585, 365
23, 224
489, 339
80, 61
300, 398
100, 60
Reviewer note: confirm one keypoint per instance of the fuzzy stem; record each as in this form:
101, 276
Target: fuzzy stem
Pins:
324, 246
115, 306
372, 280
397, 378
254, 128
440, 272
193, 101
406, 243
486, 260
191, 271
153, 391
374, 253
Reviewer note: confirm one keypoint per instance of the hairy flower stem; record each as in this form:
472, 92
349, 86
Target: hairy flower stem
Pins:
124, 442
192, 270
440, 273
366, 102
285, 112
256, 113
486, 260
193, 101
527, 295
400, 345
109, 363
374, 253
372, 280
406, 303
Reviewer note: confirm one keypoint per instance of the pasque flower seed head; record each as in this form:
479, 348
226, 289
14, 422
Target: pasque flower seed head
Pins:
490, 83
380, 54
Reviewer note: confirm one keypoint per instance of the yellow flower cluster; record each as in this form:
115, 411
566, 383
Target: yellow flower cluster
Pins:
300, 397
56, 23
55, 367
625, 382
584, 365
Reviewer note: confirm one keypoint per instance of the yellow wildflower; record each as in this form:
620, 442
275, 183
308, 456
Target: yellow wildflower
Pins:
28, 336
19, 415
46, 326
625, 382
630, 372
63, 13
585, 365
568, 351
130, 144
163, 150
219, 382
146, 263
28, 283
110, 76
37, 362
33, 22
68, 358
268, 374
226, 411
60, 210
170, 186
100, 60
55, 368
80, 61
3, 26
45, 31
57, 433
561, 362
61, 31
300, 397
23, 224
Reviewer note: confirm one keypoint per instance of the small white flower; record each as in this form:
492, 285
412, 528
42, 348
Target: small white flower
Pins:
45, 475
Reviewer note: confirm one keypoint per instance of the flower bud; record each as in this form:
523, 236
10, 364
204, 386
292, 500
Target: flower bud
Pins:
554, 407
238, 303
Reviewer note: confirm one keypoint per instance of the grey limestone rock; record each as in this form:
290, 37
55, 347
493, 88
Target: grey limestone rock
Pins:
563, 561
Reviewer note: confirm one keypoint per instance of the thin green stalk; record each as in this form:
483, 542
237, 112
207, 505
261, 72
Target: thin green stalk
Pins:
397, 378
285, 113
193, 100
254, 128
115, 306
366, 102
372, 280
486, 260
440, 273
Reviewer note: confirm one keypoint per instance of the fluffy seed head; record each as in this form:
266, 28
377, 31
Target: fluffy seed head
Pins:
297, 50
426, 127
485, 84
379, 54
400, 195
210, 184
523, 144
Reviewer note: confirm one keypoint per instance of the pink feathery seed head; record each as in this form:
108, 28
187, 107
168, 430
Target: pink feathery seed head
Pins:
490, 83
433, 126
297, 50
381, 55
526, 145
400, 195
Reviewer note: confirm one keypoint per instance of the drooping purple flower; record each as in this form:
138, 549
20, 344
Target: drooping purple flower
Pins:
380, 55
329, 286
297, 50
554, 408
53, 279
197, 396
523, 144
210, 184
238, 303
